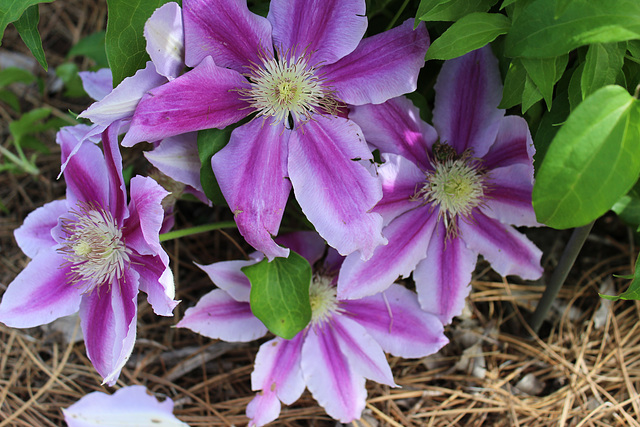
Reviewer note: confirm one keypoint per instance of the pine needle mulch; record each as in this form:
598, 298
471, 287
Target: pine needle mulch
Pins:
583, 370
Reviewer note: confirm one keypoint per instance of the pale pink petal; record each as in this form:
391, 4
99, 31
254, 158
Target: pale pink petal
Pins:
217, 315
335, 192
513, 144
79, 133
177, 157
227, 31
508, 251
397, 323
156, 280
142, 228
408, 237
330, 378
113, 160
443, 277
263, 408
132, 405
108, 318
326, 29
382, 67
97, 84
306, 243
40, 293
509, 196
165, 40
468, 91
396, 127
122, 101
227, 275
34, 234
171, 109
251, 171
401, 179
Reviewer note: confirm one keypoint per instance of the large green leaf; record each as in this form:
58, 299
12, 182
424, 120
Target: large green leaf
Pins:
513, 84
451, 10
280, 294
124, 42
545, 72
593, 160
27, 26
469, 33
602, 66
633, 293
12, 10
536, 33
210, 141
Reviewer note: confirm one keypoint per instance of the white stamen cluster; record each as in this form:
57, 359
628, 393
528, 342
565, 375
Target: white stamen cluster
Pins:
322, 295
288, 85
93, 247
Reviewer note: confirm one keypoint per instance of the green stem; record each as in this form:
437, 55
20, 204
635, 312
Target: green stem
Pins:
22, 162
395, 18
176, 234
568, 258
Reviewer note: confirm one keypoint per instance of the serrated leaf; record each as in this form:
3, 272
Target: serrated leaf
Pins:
469, 33
280, 294
535, 32
451, 10
124, 41
602, 65
633, 293
593, 160
27, 27
210, 141
92, 47
12, 10
545, 73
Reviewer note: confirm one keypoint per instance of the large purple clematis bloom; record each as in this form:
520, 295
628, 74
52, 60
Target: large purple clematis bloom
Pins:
343, 344
450, 193
294, 70
92, 252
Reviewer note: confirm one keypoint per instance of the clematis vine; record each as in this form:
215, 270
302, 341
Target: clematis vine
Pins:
451, 191
342, 346
293, 71
92, 253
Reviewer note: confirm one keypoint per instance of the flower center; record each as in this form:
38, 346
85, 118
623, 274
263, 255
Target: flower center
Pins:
94, 247
456, 186
322, 295
288, 85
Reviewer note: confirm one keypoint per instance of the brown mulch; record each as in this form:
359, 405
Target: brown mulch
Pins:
583, 370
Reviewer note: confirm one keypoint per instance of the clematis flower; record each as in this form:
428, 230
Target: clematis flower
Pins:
343, 344
450, 193
292, 71
92, 253
129, 406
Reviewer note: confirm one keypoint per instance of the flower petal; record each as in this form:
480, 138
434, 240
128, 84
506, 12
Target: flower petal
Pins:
513, 144
363, 352
330, 378
177, 157
443, 277
142, 228
122, 101
113, 160
396, 127
336, 193
468, 91
408, 237
227, 31
156, 280
34, 234
510, 198
227, 275
326, 29
97, 84
396, 321
108, 319
508, 251
165, 40
130, 405
382, 67
170, 109
217, 315
40, 293
251, 171
78, 134
306, 243
400, 180
263, 408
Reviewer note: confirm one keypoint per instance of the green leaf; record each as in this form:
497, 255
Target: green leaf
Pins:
210, 141
561, 7
506, 3
14, 74
593, 160
92, 47
451, 10
545, 73
549, 125
124, 41
68, 73
575, 91
535, 32
469, 33
513, 84
602, 66
12, 10
628, 207
27, 26
633, 293
280, 294
633, 46
11, 99
530, 94
29, 124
